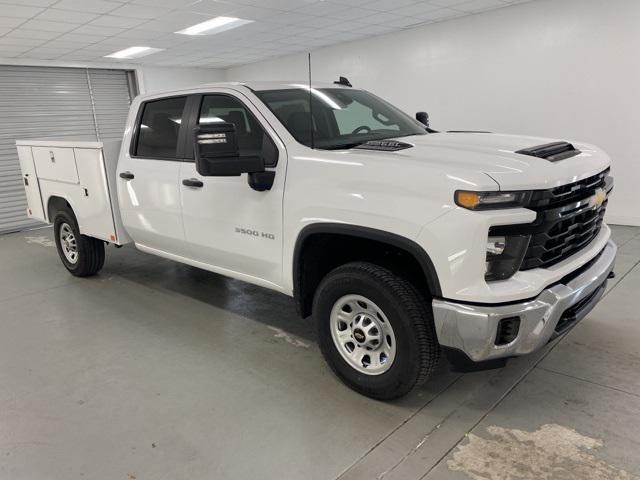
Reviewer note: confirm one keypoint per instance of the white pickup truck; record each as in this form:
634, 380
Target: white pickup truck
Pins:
399, 240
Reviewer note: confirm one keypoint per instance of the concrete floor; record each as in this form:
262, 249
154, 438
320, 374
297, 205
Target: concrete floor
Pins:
157, 370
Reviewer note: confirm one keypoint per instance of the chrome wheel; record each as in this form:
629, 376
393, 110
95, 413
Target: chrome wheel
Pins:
68, 243
362, 334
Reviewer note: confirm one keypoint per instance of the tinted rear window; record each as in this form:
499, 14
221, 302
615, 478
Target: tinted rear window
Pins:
159, 128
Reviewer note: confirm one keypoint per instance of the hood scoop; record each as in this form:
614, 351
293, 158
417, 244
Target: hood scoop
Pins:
552, 152
384, 145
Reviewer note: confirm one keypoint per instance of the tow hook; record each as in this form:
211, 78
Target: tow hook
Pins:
612, 274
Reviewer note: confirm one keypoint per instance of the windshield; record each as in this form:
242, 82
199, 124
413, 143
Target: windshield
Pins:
342, 118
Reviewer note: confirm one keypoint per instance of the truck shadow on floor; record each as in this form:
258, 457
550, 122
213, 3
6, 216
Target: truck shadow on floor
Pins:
262, 305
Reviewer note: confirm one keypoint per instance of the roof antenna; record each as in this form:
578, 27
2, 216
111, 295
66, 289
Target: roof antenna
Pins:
313, 143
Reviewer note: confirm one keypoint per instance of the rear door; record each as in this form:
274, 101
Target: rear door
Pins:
228, 225
148, 177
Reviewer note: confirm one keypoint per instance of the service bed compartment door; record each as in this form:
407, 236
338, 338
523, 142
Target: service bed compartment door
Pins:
31, 186
227, 224
55, 163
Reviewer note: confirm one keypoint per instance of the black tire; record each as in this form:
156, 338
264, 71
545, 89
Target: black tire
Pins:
410, 316
90, 251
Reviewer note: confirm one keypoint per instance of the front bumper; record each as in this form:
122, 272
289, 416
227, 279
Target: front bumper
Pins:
473, 329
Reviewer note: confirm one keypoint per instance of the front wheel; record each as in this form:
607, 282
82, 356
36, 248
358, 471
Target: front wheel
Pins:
83, 256
375, 330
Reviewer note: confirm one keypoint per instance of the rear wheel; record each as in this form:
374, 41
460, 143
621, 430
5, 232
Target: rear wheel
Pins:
83, 256
375, 330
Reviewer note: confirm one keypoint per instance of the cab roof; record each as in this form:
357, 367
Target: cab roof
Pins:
255, 86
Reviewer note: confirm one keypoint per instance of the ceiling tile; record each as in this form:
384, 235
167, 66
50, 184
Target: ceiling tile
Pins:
27, 42
10, 21
20, 11
49, 26
478, 5
117, 22
135, 34
94, 30
382, 18
212, 8
88, 29
69, 16
280, 4
353, 13
116, 43
64, 44
50, 51
140, 11
417, 9
290, 18
32, 3
347, 26
175, 4
447, 3
440, 14
26, 33
319, 22
374, 29
389, 5
91, 6
350, 3
256, 13
322, 9
81, 38
157, 26
12, 50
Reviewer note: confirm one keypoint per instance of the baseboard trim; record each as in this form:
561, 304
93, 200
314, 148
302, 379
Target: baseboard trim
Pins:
623, 220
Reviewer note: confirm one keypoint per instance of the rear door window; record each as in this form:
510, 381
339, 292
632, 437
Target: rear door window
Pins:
159, 128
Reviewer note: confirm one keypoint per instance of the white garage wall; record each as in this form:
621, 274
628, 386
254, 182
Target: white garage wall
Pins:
166, 78
566, 69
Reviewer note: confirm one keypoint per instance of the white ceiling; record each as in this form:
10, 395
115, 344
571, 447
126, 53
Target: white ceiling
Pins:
86, 30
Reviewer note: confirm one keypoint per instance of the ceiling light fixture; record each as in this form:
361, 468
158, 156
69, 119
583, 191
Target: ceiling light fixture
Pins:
215, 25
134, 52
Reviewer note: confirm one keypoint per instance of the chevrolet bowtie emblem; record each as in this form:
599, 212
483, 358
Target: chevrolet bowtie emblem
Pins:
598, 199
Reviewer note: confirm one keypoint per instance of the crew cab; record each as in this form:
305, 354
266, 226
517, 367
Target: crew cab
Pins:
399, 240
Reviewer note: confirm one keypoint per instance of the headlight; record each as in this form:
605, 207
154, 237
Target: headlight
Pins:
491, 200
504, 255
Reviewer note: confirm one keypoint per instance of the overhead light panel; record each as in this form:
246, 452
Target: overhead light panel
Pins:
215, 25
134, 52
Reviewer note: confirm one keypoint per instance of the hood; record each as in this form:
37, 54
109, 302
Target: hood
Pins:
495, 155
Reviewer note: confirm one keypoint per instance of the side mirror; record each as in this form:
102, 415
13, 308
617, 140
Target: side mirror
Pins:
423, 118
217, 153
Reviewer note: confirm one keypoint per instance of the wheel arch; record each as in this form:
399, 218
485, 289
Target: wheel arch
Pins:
306, 279
55, 203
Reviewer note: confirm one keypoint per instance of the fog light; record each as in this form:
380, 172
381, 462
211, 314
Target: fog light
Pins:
496, 245
508, 329
504, 255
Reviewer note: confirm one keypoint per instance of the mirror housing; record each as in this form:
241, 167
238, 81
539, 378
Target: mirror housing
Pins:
423, 118
217, 153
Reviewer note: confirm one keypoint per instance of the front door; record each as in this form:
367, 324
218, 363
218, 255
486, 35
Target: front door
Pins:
148, 178
228, 225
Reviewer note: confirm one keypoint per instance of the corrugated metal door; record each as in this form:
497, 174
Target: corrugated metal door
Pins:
110, 94
38, 102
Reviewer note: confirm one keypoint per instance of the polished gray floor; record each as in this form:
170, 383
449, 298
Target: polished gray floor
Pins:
155, 370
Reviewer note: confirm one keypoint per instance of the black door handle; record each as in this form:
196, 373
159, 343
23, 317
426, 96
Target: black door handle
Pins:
127, 175
192, 182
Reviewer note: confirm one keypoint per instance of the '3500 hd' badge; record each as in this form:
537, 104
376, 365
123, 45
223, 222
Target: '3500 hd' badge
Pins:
255, 233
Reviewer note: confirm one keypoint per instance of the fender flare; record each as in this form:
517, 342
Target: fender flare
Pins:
398, 241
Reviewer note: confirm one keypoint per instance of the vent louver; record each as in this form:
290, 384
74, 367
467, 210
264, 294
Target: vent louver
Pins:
552, 152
